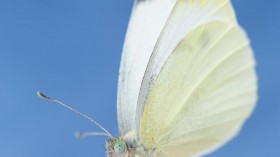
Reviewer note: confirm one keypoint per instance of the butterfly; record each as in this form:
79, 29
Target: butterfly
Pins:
187, 80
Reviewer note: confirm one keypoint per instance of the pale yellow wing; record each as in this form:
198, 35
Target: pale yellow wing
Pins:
203, 93
185, 16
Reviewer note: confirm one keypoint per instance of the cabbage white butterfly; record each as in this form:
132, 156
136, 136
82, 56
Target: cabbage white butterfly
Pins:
187, 80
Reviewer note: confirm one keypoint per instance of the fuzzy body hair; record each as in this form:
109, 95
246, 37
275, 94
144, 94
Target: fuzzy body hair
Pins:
134, 147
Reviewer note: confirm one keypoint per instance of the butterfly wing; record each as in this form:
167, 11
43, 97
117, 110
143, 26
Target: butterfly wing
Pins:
146, 22
203, 94
185, 16
205, 86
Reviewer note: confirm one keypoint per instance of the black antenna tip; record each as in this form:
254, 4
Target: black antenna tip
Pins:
41, 95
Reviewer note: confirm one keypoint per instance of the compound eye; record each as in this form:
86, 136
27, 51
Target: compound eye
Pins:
120, 147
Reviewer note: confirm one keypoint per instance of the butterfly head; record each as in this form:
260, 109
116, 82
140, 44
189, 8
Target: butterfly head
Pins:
116, 147
120, 147
125, 146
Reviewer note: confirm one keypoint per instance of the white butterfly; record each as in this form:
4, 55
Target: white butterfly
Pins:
187, 80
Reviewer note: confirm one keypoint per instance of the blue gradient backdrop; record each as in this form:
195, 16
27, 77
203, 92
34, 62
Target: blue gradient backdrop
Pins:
71, 50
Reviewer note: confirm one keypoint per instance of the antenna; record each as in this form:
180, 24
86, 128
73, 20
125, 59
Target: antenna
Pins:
43, 96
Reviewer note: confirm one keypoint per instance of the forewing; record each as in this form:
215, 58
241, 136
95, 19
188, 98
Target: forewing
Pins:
185, 16
203, 93
147, 21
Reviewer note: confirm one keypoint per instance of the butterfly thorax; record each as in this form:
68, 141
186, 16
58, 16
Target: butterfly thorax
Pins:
126, 146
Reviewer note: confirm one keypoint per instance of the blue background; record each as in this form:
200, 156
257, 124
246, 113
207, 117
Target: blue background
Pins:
71, 50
